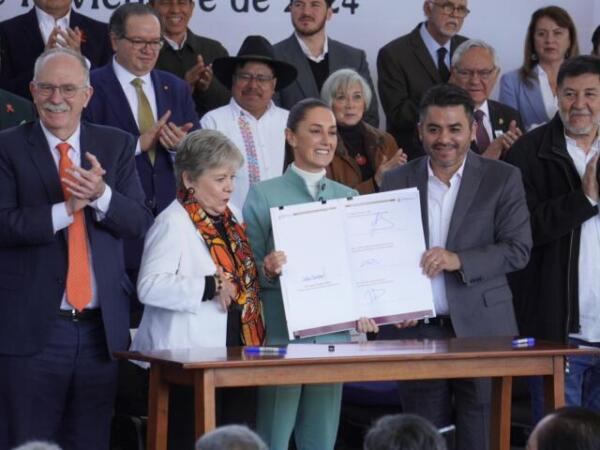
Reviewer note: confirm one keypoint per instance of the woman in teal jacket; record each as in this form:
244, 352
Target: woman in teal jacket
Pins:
310, 411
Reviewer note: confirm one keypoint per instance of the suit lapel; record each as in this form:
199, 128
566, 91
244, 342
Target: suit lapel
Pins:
469, 185
120, 106
39, 152
305, 79
420, 179
32, 35
87, 144
422, 54
496, 118
533, 94
160, 91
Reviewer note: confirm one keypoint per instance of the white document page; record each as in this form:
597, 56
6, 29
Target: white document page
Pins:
352, 258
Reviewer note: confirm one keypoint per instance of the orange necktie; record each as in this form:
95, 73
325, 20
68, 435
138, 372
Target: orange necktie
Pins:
79, 280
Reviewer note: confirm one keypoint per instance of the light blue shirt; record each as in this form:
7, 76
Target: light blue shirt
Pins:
433, 46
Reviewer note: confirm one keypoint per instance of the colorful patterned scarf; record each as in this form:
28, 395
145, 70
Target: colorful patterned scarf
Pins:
237, 264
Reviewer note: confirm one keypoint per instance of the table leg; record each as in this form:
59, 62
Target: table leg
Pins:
554, 386
158, 410
500, 413
204, 398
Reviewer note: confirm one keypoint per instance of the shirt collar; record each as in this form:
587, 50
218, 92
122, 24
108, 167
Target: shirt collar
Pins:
485, 109
457, 175
572, 143
306, 50
430, 42
238, 110
44, 17
174, 45
53, 141
125, 76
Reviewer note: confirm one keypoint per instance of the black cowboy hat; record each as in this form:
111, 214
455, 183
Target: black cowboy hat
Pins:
254, 48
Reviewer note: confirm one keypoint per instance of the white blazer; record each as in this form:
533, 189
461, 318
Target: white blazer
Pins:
171, 284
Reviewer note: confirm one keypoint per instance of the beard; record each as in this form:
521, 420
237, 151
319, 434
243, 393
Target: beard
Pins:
578, 131
312, 29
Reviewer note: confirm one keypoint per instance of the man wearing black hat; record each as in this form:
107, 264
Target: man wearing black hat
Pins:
251, 119
316, 56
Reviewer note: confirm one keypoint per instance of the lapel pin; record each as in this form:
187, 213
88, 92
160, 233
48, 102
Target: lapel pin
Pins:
165, 87
500, 121
10, 108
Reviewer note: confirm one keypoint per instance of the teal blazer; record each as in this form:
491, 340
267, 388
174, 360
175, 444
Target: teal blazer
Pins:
288, 189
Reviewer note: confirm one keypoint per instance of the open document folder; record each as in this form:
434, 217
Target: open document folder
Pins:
351, 258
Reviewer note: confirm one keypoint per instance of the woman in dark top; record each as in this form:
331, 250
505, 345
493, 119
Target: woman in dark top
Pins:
363, 153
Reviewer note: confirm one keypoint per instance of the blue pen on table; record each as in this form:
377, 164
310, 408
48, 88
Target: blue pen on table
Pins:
523, 342
265, 350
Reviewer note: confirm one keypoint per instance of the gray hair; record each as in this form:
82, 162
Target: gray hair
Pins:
38, 445
231, 437
403, 431
203, 150
474, 43
340, 81
56, 51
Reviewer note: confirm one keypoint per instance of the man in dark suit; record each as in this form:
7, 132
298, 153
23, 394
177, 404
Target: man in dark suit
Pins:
69, 193
409, 65
158, 112
316, 56
475, 68
476, 226
49, 24
190, 56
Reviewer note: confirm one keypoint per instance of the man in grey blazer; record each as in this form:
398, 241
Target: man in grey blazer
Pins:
316, 56
411, 64
476, 225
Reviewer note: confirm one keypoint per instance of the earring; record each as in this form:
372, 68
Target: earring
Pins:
189, 193
534, 57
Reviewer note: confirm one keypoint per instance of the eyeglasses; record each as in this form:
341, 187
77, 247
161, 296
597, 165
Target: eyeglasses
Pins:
484, 74
261, 79
139, 44
66, 90
450, 8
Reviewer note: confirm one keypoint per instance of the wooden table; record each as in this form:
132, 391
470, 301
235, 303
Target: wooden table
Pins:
208, 368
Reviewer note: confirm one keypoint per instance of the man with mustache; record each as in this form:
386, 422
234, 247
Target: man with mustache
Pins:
190, 56
49, 24
557, 296
409, 65
251, 119
69, 194
477, 230
316, 56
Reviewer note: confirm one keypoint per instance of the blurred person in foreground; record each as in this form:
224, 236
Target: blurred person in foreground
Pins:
403, 432
231, 437
568, 428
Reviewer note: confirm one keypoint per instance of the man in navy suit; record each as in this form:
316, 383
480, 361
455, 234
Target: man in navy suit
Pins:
135, 32
49, 24
62, 315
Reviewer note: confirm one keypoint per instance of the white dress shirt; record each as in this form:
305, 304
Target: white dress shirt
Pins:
60, 218
589, 255
48, 23
307, 52
433, 46
174, 45
487, 123
269, 141
440, 203
550, 101
125, 78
